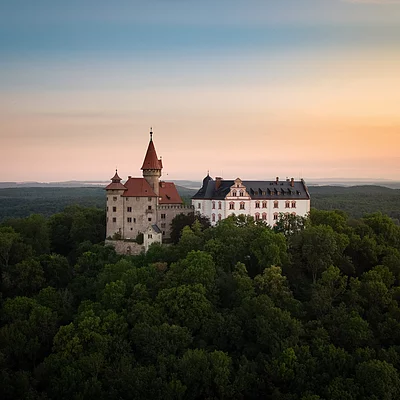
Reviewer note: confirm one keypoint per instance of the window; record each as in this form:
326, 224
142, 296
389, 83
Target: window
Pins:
293, 204
242, 203
241, 193
287, 204
264, 204
276, 204
219, 217
149, 198
275, 216
163, 225
162, 216
199, 205
129, 209
114, 209
257, 216
231, 205
150, 236
149, 207
107, 208
134, 220
257, 204
234, 193
219, 205
115, 198
213, 218
264, 216
129, 219
149, 219
213, 205
114, 219
293, 213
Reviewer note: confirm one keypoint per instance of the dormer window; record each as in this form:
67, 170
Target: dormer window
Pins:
234, 193
241, 193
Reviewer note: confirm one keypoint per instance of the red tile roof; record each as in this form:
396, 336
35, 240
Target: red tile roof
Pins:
151, 160
116, 186
138, 187
169, 194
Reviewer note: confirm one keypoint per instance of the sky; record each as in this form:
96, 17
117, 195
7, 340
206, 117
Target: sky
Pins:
243, 88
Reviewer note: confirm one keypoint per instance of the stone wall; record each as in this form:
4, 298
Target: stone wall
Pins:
165, 215
123, 247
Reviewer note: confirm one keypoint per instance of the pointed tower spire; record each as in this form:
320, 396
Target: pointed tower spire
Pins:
152, 166
151, 160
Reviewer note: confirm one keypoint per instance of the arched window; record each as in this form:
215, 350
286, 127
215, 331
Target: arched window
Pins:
241, 193
231, 205
264, 204
213, 218
213, 205
219, 205
276, 216
287, 204
242, 203
219, 217
293, 204
257, 216
257, 204
276, 204
264, 216
234, 193
293, 213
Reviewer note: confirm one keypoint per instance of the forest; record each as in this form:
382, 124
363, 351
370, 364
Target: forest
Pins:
307, 310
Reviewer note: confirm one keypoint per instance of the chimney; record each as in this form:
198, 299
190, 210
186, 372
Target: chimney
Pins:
292, 182
277, 180
218, 181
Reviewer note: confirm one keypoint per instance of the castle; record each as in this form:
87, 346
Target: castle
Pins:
148, 205
263, 200
143, 205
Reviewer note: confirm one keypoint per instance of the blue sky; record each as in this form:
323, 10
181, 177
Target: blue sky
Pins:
315, 79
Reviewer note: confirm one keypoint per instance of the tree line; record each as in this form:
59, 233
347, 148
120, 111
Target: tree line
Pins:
307, 310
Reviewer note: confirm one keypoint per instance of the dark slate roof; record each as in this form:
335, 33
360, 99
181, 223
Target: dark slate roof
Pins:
256, 189
156, 228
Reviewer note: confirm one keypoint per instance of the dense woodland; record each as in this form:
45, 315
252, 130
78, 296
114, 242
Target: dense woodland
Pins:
355, 200
305, 311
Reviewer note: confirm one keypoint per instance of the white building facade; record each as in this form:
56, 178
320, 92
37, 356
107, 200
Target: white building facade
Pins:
263, 200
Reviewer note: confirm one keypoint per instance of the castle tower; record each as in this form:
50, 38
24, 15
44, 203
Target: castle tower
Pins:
152, 167
115, 212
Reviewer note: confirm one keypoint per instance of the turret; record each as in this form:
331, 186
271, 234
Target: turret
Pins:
152, 166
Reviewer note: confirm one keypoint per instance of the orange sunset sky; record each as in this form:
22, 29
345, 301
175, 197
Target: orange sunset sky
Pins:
254, 89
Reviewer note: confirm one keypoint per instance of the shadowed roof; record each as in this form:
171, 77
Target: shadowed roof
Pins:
256, 189
169, 194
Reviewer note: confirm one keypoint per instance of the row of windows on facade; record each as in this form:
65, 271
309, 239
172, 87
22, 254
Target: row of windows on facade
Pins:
115, 198
129, 209
257, 216
242, 205
130, 220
